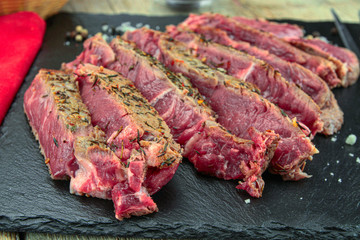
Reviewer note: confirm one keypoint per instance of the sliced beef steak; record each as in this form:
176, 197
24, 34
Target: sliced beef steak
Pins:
238, 31
207, 145
99, 168
101, 174
130, 123
218, 56
57, 116
237, 107
243, 66
346, 61
74, 149
211, 148
98, 53
281, 30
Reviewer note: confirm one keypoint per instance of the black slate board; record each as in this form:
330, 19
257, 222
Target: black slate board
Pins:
191, 205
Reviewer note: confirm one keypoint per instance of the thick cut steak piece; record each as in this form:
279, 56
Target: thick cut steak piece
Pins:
207, 144
74, 149
100, 54
238, 31
346, 61
101, 174
130, 123
219, 56
243, 66
237, 107
57, 116
281, 30
210, 147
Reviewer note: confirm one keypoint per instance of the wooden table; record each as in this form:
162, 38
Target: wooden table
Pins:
314, 10
304, 10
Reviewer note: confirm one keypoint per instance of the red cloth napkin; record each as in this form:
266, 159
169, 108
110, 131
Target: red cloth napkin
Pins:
21, 35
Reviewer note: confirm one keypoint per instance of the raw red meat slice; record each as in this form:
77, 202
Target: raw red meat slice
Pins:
281, 30
236, 106
310, 83
74, 149
57, 116
322, 67
345, 60
211, 148
129, 123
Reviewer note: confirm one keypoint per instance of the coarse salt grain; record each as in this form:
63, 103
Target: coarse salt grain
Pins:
333, 139
126, 26
339, 180
105, 37
351, 154
105, 28
358, 160
331, 174
247, 201
322, 38
351, 139
337, 161
325, 179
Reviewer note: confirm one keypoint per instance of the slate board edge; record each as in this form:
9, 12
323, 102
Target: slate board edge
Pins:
272, 230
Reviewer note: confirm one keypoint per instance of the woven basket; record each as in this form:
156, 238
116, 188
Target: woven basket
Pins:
44, 8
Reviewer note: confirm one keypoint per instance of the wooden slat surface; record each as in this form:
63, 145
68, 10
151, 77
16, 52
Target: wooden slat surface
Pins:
305, 10
9, 236
43, 236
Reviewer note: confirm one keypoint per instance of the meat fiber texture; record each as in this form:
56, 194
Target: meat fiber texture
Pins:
211, 148
238, 31
130, 123
237, 107
218, 56
281, 30
101, 174
74, 149
243, 66
57, 116
345, 60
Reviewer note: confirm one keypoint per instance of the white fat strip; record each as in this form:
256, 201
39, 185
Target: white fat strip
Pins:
112, 137
82, 175
116, 133
245, 73
160, 96
169, 112
140, 193
170, 108
225, 166
129, 173
157, 54
151, 154
222, 171
189, 145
